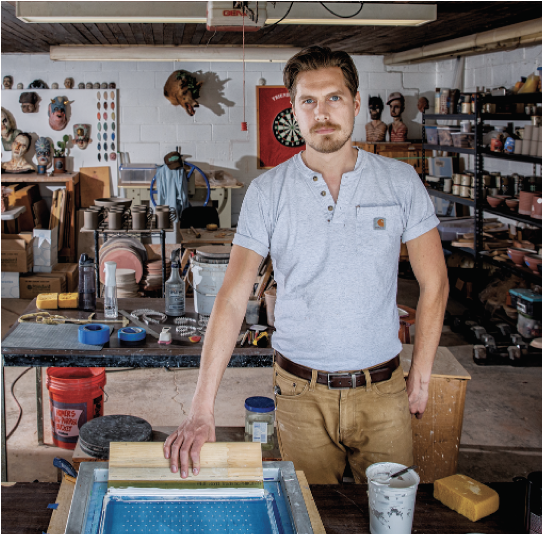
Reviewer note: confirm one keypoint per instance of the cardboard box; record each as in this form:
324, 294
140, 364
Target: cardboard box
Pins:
10, 285
30, 286
17, 253
45, 247
25, 196
72, 275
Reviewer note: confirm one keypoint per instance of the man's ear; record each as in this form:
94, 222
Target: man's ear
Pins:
357, 104
293, 110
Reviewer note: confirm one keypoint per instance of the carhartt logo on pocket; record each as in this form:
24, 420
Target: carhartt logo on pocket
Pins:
379, 223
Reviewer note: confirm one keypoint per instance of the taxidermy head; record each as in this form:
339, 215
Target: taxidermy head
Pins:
57, 113
182, 89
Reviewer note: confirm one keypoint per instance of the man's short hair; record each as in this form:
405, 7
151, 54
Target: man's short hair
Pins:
317, 57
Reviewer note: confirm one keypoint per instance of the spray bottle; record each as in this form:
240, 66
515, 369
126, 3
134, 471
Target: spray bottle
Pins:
111, 308
175, 288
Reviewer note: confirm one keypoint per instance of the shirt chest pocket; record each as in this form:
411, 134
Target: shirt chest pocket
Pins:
378, 229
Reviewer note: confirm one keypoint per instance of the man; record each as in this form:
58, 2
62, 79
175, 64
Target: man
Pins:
332, 219
397, 129
376, 129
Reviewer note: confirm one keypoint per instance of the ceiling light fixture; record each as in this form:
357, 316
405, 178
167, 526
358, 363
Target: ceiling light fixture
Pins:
372, 13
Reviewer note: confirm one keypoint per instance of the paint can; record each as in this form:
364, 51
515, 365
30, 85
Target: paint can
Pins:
391, 503
76, 396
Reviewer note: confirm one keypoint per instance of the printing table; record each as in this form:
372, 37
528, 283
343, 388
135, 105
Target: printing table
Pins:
343, 509
181, 353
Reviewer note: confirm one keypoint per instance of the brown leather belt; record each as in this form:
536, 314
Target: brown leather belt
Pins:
339, 380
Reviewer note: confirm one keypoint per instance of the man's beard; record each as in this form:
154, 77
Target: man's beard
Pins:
326, 144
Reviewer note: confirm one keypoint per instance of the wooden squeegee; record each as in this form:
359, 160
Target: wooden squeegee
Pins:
222, 465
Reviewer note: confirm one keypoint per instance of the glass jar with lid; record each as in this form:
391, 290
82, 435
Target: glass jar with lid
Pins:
260, 421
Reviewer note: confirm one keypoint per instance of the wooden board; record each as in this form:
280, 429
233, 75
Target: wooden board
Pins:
143, 462
41, 214
57, 525
314, 515
95, 182
445, 365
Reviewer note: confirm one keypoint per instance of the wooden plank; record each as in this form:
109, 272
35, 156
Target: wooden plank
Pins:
57, 525
41, 214
123, 33
158, 33
445, 366
265, 278
314, 515
139, 462
61, 218
94, 182
177, 34
53, 221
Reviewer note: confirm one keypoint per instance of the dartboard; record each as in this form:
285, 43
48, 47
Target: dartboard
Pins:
286, 129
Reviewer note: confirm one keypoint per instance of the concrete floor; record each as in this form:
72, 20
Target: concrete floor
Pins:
502, 429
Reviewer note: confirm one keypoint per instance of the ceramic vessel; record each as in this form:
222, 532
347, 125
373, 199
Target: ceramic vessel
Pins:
512, 203
112, 201
517, 255
494, 202
532, 261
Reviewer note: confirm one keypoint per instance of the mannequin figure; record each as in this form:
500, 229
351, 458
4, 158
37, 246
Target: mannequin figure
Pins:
397, 129
376, 129
20, 147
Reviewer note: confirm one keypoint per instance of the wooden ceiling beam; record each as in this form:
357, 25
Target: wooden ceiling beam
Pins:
158, 33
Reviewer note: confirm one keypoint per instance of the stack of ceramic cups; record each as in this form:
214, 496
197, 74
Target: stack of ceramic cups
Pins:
126, 284
115, 217
93, 217
140, 217
164, 216
531, 145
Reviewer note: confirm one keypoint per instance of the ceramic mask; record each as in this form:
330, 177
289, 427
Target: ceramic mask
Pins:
54, 85
112, 85
182, 89
81, 86
68, 83
7, 82
43, 151
19, 148
28, 102
57, 113
81, 135
20, 86
9, 132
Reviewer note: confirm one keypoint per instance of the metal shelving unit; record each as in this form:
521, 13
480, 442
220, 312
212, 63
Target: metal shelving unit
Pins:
479, 152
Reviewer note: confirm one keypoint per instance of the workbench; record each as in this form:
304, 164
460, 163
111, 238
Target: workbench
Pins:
343, 509
435, 437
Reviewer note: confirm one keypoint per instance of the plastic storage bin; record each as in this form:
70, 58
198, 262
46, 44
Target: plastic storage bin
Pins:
529, 327
432, 135
445, 135
260, 421
463, 139
136, 173
448, 228
526, 301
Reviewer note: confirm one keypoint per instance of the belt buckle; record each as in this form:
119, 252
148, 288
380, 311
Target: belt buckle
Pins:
341, 375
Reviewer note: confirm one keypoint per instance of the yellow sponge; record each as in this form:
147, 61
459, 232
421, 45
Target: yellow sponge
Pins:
68, 300
47, 301
466, 496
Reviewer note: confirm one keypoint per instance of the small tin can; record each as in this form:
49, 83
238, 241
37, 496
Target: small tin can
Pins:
510, 145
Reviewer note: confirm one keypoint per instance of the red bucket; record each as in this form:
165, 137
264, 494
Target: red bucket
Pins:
76, 396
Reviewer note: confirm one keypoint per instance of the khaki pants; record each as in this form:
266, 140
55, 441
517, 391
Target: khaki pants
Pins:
319, 429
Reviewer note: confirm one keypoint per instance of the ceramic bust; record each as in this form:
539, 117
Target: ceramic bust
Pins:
9, 132
43, 153
376, 129
81, 85
20, 86
7, 82
57, 113
112, 85
81, 135
397, 129
68, 83
28, 102
19, 148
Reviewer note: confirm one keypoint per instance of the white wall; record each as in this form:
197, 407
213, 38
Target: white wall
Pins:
150, 127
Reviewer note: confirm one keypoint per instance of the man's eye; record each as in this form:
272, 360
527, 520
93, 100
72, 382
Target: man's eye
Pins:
334, 98
309, 101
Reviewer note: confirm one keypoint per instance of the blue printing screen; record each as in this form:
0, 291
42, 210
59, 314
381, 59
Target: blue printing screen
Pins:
190, 516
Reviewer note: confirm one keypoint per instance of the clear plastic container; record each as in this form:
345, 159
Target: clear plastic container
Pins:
463, 139
432, 135
529, 327
260, 421
136, 173
445, 135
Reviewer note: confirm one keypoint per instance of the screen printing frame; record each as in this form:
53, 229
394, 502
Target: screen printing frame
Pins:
283, 472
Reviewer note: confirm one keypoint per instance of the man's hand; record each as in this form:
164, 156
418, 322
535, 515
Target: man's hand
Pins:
186, 442
418, 392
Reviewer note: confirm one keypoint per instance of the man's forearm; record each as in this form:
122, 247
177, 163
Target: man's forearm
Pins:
429, 319
220, 340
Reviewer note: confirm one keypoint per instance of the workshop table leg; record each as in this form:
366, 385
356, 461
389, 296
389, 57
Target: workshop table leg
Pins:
39, 405
4, 448
163, 251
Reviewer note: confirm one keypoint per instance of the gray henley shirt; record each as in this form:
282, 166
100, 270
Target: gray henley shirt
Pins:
336, 263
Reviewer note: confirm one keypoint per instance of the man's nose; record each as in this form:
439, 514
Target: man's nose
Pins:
321, 112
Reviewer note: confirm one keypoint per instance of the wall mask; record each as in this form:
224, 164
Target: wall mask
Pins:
81, 135
28, 102
7, 82
57, 113
38, 84
20, 147
376, 129
9, 132
68, 83
182, 89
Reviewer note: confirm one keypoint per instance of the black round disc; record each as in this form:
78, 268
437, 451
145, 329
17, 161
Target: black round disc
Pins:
96, 435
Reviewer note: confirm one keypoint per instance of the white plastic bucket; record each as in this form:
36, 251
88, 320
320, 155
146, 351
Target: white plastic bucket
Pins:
207, 279
392, 503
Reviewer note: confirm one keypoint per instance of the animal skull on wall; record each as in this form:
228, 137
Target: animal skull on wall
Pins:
182, 89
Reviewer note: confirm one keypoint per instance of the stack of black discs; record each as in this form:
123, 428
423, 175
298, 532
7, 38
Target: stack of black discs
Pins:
96, 435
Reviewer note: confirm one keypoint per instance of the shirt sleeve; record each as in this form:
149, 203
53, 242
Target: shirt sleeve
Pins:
419, 210
253, 230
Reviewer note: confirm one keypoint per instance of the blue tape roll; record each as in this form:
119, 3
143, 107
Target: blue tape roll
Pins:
132, 333
93, 334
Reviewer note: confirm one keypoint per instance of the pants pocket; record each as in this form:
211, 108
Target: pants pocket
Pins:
394, 387
288, 385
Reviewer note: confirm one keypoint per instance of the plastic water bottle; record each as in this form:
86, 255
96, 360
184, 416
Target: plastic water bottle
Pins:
111, 307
